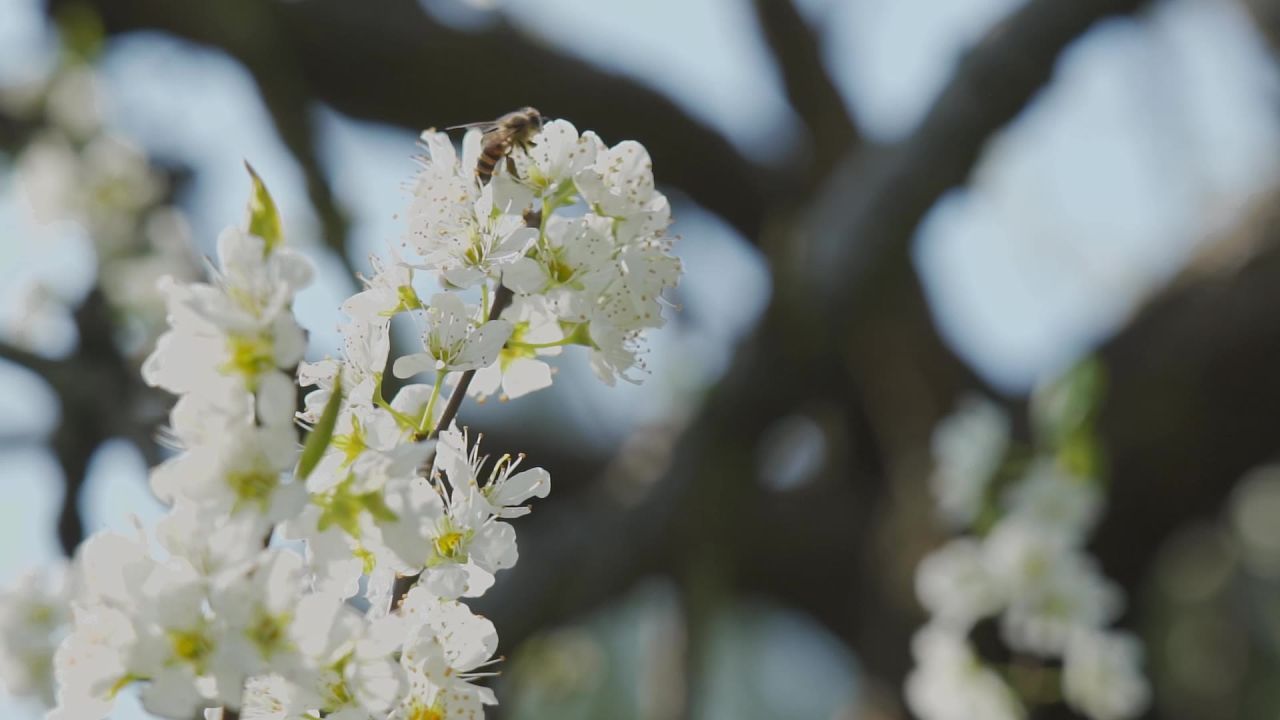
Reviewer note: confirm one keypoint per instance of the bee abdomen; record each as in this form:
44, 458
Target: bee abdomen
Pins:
490, 155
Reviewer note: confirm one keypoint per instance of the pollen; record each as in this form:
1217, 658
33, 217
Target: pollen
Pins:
449, 545
190, 645
249, 355
253, 486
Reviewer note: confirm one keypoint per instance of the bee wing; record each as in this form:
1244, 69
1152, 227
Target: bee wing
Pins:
485, 126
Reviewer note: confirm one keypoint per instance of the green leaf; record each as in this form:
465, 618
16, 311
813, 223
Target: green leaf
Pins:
1069, 405
376, 506
322, 433
81, 30
264, 218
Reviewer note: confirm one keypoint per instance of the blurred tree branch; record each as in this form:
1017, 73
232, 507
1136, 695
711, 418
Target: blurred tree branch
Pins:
797, 52
859, 351
98, 398
398, 65
896, 379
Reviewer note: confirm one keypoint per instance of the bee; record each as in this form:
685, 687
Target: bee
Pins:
501, 136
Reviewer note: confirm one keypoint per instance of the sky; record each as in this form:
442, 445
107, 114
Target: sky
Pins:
1148, 141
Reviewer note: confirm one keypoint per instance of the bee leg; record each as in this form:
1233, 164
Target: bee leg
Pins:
511, 167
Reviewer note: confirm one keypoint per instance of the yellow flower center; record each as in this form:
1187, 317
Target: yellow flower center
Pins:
190, 646
449, 545
422, 712
253, 486
249, 355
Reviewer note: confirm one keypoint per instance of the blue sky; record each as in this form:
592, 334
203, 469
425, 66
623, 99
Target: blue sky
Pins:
1151, 138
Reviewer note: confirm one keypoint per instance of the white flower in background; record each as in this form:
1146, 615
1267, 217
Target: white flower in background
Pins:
241, 470
74, 101
130, 281
1051, 588
104, 186
34, 617
1102, 675
1055, 502
968, 447
455, 340
954, 585
1029, 568
38, 318
950, 682
89, 665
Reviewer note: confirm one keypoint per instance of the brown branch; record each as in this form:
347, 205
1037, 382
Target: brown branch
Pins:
875, 200
29, 360
501, 300
809, 87
898, 375
398, 65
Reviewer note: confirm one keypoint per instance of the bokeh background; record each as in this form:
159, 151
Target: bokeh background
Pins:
884, 205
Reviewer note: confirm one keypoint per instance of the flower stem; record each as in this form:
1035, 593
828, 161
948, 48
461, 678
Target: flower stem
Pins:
538, 346
403, 420
431, 406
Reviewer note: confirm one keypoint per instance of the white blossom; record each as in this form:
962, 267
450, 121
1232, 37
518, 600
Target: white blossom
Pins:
968, 446
455, 340
949, 682
34, 615
1102, 675
248, 599
1055, 502
955, 586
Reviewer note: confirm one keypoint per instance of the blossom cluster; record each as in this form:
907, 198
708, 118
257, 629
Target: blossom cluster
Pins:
1022, 563
34, 615
325, 578
73, 170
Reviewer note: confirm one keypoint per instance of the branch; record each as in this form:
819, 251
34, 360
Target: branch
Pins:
809, 87
501, 299
875, 200
903, 380
398, 65
29, 360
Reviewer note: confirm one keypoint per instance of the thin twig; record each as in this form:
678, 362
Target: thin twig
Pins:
501, 300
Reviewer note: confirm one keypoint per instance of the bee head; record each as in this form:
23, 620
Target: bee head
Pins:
531, 117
